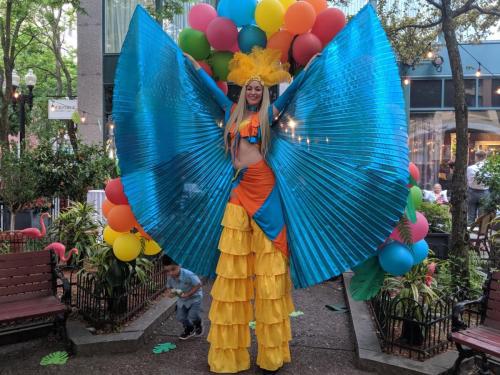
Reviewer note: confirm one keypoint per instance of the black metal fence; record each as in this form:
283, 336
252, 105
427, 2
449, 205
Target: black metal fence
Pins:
413, 329
97, 306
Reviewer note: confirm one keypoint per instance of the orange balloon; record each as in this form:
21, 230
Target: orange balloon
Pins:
106, 207
141, 230
121, 218
281, 41
319, 5
300, 17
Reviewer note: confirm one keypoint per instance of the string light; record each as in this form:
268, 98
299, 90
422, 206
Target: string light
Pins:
498, 91
478, 71
16, 95
406, 81
430, 55
292, 124
83, 118
308, 141
300, 138
52, 108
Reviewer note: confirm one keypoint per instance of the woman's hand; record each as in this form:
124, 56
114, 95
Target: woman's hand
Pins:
193, 61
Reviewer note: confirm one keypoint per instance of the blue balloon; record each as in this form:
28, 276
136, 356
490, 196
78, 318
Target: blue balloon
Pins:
251, 36
241, 12
419, 250
395, 258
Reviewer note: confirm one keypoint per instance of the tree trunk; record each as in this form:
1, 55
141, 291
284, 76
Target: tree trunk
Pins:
459, 182
71, 129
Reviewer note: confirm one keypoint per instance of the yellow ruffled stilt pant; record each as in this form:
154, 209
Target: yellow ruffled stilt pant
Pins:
249, 267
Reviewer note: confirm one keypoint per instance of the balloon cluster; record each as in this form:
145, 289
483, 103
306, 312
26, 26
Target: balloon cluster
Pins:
406, 246
304, 27
123, 232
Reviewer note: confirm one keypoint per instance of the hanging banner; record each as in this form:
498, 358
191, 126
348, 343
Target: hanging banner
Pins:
62, 109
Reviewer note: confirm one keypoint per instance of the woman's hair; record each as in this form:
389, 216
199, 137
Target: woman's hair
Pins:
239, 113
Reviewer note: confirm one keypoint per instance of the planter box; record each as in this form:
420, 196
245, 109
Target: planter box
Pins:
439, 243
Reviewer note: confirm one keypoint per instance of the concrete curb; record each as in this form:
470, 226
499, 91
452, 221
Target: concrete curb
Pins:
370, 356
129, 340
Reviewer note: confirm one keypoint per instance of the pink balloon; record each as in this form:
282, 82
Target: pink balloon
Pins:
200, 16
223, 86
305, 47
418, 230
328, 23
206, 67
235, 48
222, 34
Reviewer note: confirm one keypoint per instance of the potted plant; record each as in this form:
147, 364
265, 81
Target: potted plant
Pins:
439, 218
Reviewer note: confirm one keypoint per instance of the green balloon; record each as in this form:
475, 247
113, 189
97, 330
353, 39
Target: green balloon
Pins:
219, 61
416, 196
194, 43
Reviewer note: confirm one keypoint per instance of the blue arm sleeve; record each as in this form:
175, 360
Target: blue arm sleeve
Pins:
285, 98
223, 101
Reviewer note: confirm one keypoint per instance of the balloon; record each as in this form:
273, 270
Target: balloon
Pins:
305, 47
416, 196
414, 172
106, 207
235, 48
141, 231
328, 23
194, 43
127, 247
318, 5
241, 12
200, 16
110, 235
286, 3
222, 33
151, 248
418, 230
114, 192
220, 64
206, 67
395, 258
269, 15
281, 41
251, 36
223, 8
420, 251
223, 86
121, 218
300, 17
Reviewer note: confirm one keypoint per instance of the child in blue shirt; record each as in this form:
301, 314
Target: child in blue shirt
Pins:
187, 286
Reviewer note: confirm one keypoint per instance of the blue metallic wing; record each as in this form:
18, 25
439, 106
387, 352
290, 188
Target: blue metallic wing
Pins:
342, 169
171, 153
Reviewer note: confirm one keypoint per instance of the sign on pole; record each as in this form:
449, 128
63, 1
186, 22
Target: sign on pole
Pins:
62, 109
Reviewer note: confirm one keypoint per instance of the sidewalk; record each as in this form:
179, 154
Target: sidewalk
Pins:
322, 344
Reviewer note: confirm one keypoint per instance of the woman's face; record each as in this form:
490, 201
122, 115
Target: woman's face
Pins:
253, 93
437, 189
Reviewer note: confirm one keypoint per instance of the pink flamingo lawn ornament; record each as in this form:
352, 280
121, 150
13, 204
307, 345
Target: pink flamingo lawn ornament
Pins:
35, 233
60, 250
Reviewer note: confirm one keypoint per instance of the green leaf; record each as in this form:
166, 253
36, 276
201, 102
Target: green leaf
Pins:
412, 181
367, 280
252, 324
164, 347
295, 314
56, 358
410, 209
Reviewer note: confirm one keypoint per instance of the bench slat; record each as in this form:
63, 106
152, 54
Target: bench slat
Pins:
45, 285
25, 296
476, 343
29, 309
41, 257
23, 279
29, 270
481, 333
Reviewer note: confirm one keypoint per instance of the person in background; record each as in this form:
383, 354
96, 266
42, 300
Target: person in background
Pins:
476, 191
437, 195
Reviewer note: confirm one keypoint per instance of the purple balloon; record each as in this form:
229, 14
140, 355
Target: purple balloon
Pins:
222, 34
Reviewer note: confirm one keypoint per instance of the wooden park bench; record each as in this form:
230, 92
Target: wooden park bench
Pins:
484, 339
28, 294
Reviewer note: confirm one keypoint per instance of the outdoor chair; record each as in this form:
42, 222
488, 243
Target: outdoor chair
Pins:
479, 233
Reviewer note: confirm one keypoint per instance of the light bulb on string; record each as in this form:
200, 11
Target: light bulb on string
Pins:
478, 71
498, 91
430, 54
292, 124
406, 81
52, 108
84, 117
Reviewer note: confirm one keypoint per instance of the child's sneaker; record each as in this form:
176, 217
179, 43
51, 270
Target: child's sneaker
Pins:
187, 333
198, 330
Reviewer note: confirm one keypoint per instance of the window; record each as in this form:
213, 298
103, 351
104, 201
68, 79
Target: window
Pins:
117, 17
470, 92
425, 94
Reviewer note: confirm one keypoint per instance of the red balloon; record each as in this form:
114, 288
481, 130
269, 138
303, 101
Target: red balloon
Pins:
305, 47
328, 23
200, 16
114, 192
418, 230
121, 218
235, 48
222, 34
414, 172
206, 67
223, 86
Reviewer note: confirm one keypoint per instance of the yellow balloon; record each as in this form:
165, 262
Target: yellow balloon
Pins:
269, 15
151, 248
286, 3
110, 235
127, 247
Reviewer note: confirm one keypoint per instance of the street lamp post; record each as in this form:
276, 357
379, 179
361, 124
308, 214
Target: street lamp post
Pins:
23, 99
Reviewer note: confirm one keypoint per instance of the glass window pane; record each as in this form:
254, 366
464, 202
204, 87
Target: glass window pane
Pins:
425, 94
117, 15
470, 92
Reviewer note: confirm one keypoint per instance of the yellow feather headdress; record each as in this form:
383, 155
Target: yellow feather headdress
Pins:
262, 65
